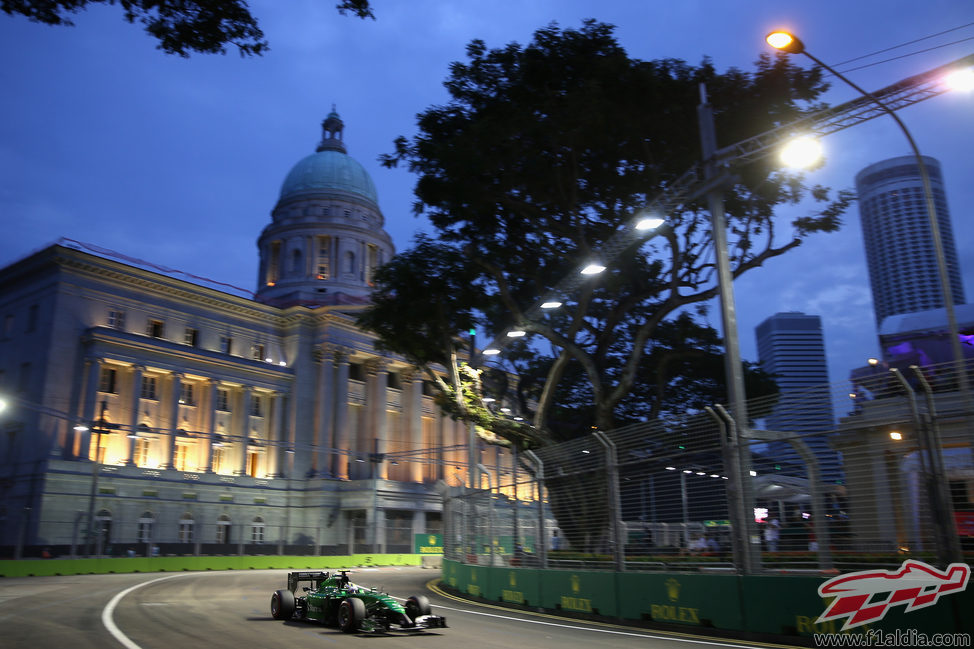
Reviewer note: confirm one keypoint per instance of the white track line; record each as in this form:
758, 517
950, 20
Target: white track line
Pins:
106, 614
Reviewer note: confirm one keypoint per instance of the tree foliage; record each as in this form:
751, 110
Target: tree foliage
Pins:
180, 26
543, 153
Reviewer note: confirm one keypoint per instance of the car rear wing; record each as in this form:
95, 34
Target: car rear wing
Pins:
294, 579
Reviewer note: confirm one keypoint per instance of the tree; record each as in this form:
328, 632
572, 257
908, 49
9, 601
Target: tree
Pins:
542, 154
181, 26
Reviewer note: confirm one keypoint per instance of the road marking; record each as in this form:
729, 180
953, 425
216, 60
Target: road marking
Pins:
106, 614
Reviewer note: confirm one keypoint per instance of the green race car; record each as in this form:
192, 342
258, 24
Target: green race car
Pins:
333, 599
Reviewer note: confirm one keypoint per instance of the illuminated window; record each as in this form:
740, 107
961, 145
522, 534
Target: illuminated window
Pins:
149, 387
106, 380
141, 455
179, 459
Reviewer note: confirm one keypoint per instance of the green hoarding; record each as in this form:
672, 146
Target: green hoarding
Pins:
428, 543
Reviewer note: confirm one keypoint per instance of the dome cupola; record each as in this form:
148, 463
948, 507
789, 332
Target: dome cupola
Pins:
326, 238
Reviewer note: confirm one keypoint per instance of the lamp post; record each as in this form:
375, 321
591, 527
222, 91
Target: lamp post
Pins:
791, 44
98, 427
947, 542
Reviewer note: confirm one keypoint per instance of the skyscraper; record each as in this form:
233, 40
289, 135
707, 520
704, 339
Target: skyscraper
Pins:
791, 347
900, 252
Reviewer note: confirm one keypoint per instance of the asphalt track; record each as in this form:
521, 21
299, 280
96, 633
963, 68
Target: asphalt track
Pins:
232, 609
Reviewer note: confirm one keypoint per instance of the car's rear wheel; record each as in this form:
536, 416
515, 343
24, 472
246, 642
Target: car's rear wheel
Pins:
417, 605
282, 605
350, 614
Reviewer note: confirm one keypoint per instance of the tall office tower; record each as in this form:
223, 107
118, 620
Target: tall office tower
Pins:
900, 253
791, 347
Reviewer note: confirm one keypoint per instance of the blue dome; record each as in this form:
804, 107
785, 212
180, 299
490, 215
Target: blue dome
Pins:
329, 171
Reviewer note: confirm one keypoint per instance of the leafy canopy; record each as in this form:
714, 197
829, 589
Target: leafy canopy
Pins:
180, 26
541, 155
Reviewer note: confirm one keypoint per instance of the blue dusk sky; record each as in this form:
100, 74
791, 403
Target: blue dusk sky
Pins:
106, 140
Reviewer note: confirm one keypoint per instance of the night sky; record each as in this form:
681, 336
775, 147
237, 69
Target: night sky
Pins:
106, 140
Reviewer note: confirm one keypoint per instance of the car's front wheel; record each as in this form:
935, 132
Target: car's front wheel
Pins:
351, 612
416, 606
282, 605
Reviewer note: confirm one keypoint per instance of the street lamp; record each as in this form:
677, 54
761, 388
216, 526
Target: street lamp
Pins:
788, 42
98, 427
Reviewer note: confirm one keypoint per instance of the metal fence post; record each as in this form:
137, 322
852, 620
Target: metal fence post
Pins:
615, 506
948, 529
741, 466
541, 545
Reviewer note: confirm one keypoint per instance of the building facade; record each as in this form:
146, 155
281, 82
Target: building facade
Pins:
168, 416
791, 346
900, 253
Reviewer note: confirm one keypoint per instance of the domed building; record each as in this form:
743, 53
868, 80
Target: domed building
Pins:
327, 237
183, 418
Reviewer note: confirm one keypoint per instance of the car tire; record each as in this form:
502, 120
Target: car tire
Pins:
282, 605
351, 612
417, 605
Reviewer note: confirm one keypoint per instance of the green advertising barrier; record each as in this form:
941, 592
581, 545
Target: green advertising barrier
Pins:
428, 543
774, 604
54, 567
580, 592
519, 586
791, 606
693, 599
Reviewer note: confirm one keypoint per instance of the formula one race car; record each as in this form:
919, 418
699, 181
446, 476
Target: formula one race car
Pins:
334, 600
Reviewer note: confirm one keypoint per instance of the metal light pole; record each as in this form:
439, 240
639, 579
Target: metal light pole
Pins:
947, 541
98, 426
740, 452
790, 43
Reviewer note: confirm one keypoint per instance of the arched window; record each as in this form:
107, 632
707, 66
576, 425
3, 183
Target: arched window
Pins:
296, 266
146, 521
103, 528
223, 529
349, 262
186, 528
257, 530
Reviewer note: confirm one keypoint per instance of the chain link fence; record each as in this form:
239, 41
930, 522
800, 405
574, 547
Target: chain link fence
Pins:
824, 480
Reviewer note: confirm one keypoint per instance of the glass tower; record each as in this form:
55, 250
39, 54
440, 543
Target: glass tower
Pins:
900, 253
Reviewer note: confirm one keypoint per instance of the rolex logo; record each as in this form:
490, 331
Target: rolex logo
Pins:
672, 589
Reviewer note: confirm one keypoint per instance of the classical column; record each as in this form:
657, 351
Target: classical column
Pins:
210, 429
277, 441
133, 426
377, 402
340, 440
244, 423
324, 422
92, 378
414, 425
176, 389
